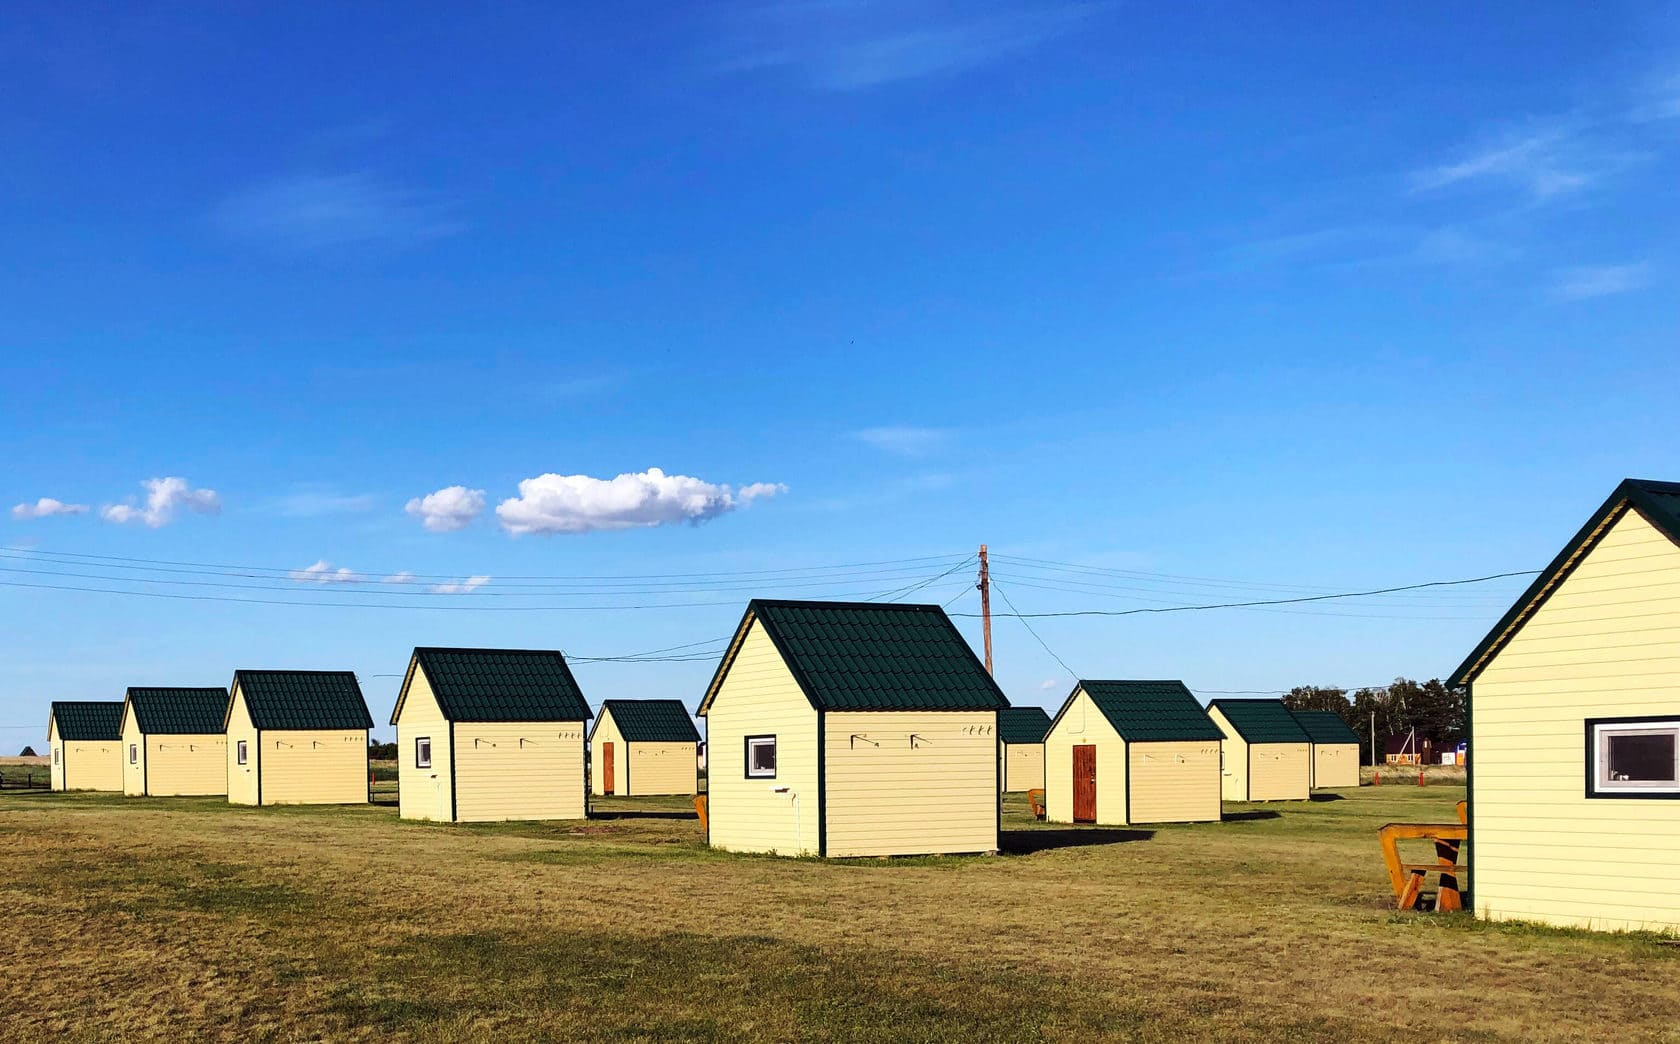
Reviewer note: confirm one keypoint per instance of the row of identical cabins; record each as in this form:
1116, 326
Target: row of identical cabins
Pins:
863, 730
835, 729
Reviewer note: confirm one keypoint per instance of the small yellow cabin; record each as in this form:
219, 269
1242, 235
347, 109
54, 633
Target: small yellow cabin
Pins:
297, 738
1022, 731
851, 729
644, 747
1125, 752
85, 737
1574, 720
173, 744
1267, 754
490, 734
1335, 749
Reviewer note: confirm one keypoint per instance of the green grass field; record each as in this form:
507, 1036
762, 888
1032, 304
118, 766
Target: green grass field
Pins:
170, 918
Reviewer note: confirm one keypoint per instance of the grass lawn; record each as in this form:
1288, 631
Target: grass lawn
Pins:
170, 918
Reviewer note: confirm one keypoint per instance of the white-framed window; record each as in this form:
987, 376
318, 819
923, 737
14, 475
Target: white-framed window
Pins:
55, 755
134, 754
423, 752
1633, 757
242, 751
761, 757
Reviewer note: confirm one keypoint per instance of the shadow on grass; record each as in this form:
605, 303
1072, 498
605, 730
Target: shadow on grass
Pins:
1027, 842
1327, 797
1244, 817
621, 814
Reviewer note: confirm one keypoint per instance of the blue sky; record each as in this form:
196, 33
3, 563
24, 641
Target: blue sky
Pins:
1274, 298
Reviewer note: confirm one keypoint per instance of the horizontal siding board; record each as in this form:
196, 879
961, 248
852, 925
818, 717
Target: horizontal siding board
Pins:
891, 795
518, 770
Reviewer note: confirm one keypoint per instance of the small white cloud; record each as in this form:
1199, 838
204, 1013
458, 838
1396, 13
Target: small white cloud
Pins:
47, 507
322, 572
467, 586
449, 509
165, 497
320, 211
404, 577
1548, 162
580, 503
1580, 284
1047, 684
906, 441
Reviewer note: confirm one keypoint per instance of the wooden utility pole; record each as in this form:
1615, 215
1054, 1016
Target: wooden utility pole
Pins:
986, 606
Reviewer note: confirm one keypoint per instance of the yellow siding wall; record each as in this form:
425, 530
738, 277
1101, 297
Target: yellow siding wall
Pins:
1279, 771
422, 793
185, 765
1335, 765
760, 697
134, 773
1175, 782
890, 795
1233, 779
1082, 723
1023, 766
1606, 643
664, 768
518, 770
241, 779
92, 765
606, 731
314, 767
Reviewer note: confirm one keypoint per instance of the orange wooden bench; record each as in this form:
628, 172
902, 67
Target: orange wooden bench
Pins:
1407, 879
1035, 801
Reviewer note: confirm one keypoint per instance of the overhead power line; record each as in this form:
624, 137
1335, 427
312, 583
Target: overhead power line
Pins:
1030, 630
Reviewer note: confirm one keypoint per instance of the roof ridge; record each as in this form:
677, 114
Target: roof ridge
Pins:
485, 649
817, 603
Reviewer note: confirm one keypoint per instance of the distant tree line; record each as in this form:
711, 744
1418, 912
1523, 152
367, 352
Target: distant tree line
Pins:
381, 751
1432, 708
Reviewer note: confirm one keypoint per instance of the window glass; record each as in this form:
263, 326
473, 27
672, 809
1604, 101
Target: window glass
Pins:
1633, 757
241, 752
133, 754
423, 752
761, 757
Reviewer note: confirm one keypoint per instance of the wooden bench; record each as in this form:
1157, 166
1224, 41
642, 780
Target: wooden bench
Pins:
1407, 879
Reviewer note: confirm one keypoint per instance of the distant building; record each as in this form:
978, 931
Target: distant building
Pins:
489, 734
297, 738
86, 741
1268, 756
1335, 749
1124, 752
1022, 730
642, 748
1408, 748
173, 744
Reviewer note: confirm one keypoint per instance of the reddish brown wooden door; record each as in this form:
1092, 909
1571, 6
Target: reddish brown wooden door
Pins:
1085, 784
606, 768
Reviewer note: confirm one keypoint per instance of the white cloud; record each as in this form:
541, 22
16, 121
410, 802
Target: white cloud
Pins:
322, 572
467, 586
906, 440
1047, 684
449, 509
165, 497
868, 43
580, 504
320, 211
1547, 162
404, 577
1580, 284
46, 507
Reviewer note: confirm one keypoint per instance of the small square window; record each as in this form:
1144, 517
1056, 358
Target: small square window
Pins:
242, 751
134, 754
423, 752
761, 757
1633, 757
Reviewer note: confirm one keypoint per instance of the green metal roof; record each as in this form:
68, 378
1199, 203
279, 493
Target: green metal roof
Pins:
867, 656
1657, 502
500, 684
178, 712
1322, 726
88, 719
1163, 711
1261, 721
303, 699
1023, 724
651, 721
